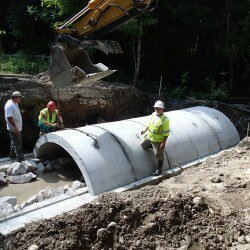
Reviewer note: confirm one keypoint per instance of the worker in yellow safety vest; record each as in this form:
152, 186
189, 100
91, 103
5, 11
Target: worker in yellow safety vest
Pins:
49, 119
158, 132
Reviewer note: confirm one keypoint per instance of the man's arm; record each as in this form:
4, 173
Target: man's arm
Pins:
162, 146
60, 121
11, 121
47, 123
144, 131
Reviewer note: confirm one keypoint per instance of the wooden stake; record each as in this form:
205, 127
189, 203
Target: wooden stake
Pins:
160, 87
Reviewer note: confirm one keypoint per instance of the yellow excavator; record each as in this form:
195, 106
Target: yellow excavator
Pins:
70, 63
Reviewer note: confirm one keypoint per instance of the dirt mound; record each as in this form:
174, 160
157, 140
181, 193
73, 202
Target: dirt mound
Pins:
120, 224
190, 211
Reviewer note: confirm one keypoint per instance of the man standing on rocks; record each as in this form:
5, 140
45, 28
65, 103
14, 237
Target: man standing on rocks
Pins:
14, 123
158, 128
49, 119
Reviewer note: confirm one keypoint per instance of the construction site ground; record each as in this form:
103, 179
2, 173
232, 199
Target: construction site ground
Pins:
205, 207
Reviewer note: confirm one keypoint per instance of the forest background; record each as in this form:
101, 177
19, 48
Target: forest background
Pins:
192, 48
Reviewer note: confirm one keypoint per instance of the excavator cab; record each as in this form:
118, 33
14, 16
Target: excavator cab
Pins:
70, 63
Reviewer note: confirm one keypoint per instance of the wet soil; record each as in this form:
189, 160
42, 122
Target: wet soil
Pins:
205, 207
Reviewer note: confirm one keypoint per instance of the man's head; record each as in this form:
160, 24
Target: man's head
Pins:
16, 96
51, 106
159, 107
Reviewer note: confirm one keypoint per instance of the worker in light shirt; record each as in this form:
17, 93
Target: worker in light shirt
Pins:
158, 132
14, 124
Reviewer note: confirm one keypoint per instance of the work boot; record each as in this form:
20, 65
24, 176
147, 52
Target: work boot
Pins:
159, 170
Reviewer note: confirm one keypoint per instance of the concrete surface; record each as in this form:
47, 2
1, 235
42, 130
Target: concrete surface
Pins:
109, 154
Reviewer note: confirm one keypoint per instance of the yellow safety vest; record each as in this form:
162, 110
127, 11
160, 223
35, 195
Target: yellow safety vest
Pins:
49, 119
158, 130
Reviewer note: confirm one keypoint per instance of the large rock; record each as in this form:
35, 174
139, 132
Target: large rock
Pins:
66, 188
19, 179
65, 162
215, 179
33, 247
33, 199
7, 204
29, 165
48, 167
49, 192
3, 179
44, 194
77, 184
40, 169
5, 209
71, 192
58, 167
16, 168
9, 199
4, 168
83, 190
243, 146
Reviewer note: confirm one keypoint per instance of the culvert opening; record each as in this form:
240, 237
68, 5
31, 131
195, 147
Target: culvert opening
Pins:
62, 162
64, 172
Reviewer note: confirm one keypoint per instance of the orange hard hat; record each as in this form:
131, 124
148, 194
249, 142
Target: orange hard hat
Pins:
51, 105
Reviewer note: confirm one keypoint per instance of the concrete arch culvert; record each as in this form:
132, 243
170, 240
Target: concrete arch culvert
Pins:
109, 155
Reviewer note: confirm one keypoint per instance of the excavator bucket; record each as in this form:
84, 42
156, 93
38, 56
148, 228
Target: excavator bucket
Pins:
73, 66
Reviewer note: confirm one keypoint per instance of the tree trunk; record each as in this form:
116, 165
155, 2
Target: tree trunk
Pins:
230, 52
138, 56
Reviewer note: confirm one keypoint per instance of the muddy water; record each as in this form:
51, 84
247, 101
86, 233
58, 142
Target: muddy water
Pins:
54, 180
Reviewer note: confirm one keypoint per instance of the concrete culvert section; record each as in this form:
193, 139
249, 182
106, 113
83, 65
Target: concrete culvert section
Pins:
109, 155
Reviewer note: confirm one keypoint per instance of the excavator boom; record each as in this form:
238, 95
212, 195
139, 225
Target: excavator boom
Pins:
70, 63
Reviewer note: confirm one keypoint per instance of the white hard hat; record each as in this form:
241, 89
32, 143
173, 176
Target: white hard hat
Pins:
159, 104
16, 94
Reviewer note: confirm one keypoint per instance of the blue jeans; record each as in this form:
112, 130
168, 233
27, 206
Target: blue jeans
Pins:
16, 145
45, 129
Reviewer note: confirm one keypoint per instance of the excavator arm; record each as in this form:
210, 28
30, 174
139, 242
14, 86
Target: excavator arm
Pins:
70, 63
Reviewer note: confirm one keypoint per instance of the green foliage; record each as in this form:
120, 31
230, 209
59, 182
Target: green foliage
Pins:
215, 93
152, 87
132, 28
52, 11
180, 91
21, 64
214, 38
212, 92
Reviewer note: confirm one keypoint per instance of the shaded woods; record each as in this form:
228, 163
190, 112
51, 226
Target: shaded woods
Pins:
196, 46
